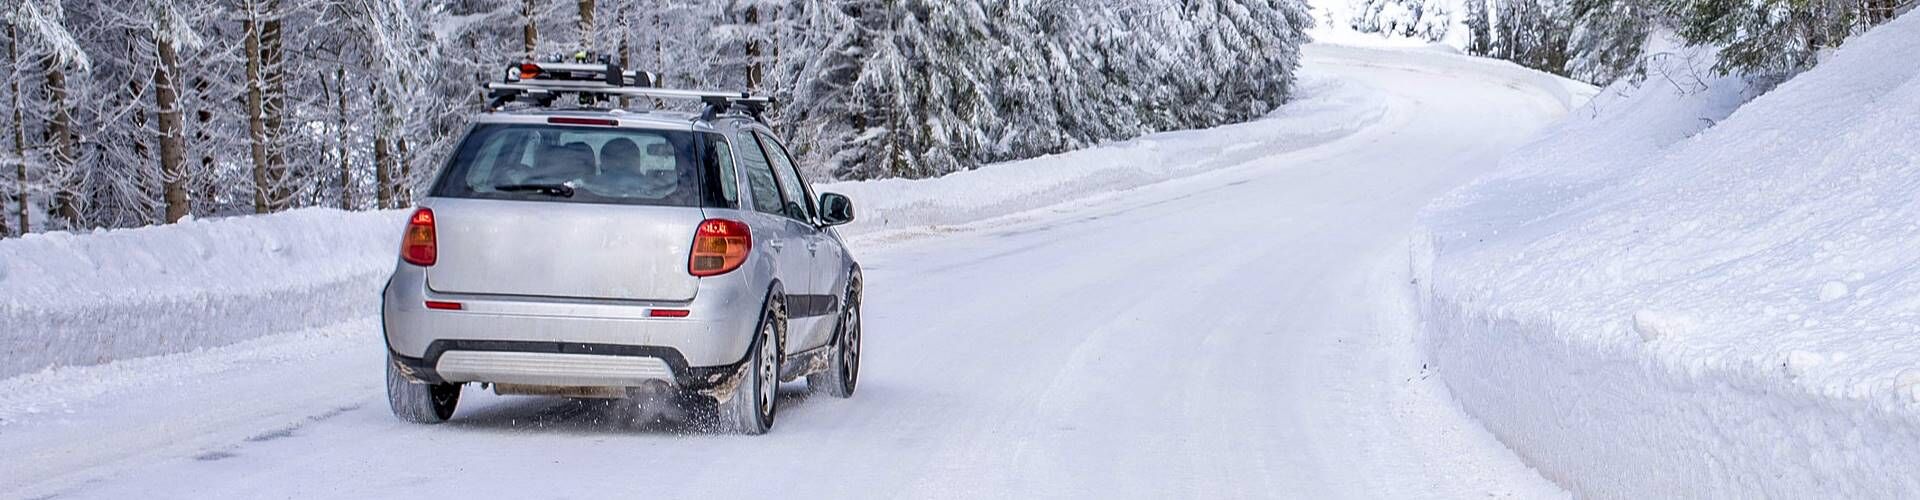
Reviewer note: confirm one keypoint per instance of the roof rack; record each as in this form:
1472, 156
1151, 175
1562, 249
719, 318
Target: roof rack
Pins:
541, 83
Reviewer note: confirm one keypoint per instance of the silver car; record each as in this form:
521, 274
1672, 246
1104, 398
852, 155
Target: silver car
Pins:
595, 253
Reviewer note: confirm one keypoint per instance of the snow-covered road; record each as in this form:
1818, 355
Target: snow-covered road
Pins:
1246, 332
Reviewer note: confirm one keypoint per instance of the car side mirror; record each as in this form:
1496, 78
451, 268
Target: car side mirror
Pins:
835, 209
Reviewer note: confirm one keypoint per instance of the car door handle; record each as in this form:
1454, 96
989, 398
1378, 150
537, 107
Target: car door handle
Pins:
777, 244
813, 246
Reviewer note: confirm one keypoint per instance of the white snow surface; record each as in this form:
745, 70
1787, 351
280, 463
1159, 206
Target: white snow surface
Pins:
1218, 313
1326, 109
1690, 291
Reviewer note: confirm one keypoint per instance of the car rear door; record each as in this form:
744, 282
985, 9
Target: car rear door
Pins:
822, 301
774, 223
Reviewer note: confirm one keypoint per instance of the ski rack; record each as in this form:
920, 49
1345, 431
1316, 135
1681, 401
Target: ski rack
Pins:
541, 83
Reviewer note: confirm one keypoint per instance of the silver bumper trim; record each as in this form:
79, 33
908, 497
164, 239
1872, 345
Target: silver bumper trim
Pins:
552, 369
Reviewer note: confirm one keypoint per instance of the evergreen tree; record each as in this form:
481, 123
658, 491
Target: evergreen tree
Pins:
1423, 19
1773, 38
1607, 38
133, 112
1479, 28
1533, 33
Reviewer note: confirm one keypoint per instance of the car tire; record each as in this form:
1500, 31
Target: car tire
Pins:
755, 401
417, 402
843, 372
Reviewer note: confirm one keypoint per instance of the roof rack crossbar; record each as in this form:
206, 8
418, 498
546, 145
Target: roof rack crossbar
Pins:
542, 83
567, 87
544, 93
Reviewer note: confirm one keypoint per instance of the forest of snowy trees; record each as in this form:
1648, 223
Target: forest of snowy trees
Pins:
1600, 41
121, 113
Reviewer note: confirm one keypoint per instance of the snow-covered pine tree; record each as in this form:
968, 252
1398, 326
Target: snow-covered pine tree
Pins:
170, 33
393, 67
1772, 39
1479, 28
1533, 33
949, 87
1607, 38
857, 140
115, 179
285, 104
49, 47
266, 99
819, 102
1424, 19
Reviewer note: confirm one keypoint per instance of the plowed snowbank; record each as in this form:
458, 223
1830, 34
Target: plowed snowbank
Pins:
1676, 294
78, 299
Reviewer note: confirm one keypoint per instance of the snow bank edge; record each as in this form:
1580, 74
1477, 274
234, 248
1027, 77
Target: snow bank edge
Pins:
86, 299
1608, 423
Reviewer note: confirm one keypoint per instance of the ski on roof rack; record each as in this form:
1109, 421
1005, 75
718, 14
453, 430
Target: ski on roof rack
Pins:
541, 83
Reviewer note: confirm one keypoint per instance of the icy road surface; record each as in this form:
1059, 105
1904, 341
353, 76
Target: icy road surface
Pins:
1237, 334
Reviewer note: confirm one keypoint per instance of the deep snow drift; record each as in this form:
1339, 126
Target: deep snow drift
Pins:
1646, 303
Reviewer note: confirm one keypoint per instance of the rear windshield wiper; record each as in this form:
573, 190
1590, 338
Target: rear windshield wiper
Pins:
560, 190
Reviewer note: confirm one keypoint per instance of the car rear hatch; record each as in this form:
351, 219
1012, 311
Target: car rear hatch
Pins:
564, 250
570, 207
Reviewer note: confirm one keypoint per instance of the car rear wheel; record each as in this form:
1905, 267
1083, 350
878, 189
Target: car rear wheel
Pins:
420, 403
753, 406
843, 373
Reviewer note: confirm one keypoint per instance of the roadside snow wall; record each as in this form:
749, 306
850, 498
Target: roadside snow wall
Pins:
79, 299
1687, 291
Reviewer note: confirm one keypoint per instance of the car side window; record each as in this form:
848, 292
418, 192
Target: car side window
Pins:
723, 168
760, 179
799, 203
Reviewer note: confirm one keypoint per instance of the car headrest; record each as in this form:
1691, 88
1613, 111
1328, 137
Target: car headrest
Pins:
619, 154
573, 161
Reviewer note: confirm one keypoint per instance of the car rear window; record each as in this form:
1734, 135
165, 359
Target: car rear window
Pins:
597, 165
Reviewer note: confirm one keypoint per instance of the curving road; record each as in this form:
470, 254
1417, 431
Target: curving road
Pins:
1243, 333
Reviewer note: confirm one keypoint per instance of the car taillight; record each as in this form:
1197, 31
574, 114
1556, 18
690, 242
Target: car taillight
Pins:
419, 247
529, 71
719, 247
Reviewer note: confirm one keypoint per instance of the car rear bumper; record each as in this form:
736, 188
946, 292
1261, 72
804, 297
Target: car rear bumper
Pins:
558, 364
560, 342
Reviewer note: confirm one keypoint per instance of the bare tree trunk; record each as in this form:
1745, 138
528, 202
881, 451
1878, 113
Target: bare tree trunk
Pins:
264, 181
19, 133
204, 182
273, 107
142, 154
345, 149
530, 35
586, 24
403, 187
626, 64
382, 171
896, 157
65, 146
256, 123
173, 137
1880, 11
485, 74
754, 72
382, 159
